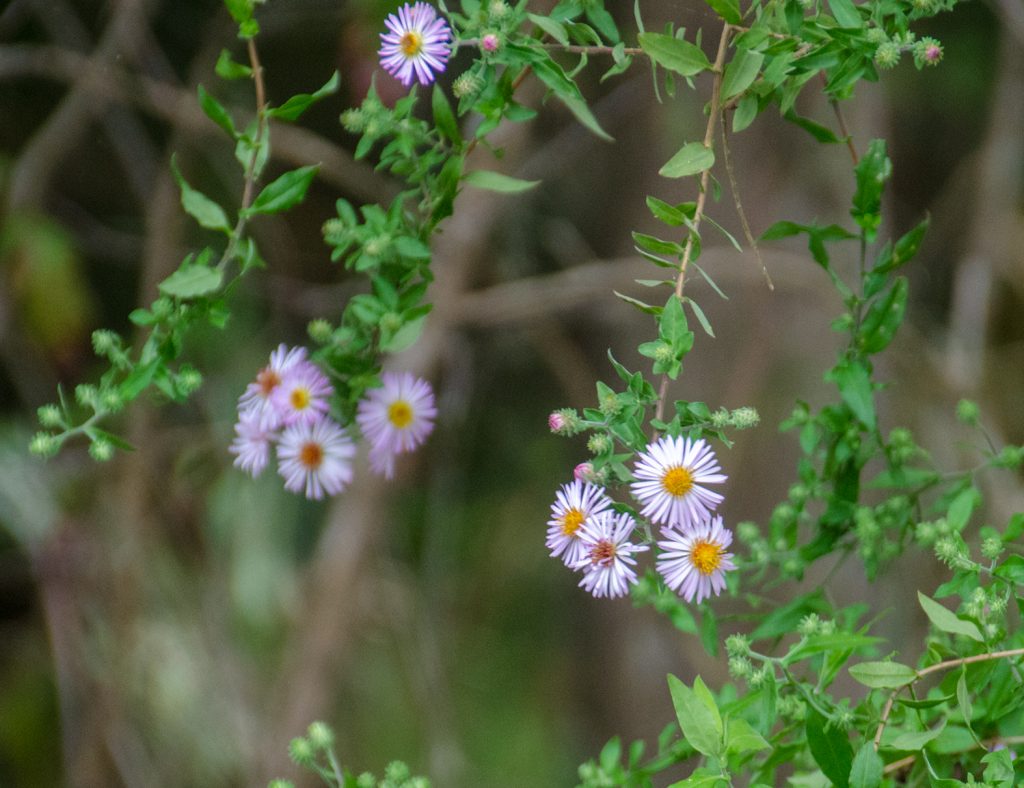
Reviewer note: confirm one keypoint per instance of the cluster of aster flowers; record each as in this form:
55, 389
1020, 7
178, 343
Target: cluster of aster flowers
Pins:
287, 406
591, 536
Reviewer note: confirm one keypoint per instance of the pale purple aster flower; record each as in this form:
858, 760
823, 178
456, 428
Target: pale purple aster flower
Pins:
257, 396
416, 44
607, 561
301, 396
694, 563
574, 503
251, 446
670, 476
315, 458
396, 418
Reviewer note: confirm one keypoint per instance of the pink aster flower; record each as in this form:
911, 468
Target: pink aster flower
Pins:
574, 503
301, 396
315, 458
251, 446
257, 397
607, 561
416, 44
694, 564
396, 418
670, 475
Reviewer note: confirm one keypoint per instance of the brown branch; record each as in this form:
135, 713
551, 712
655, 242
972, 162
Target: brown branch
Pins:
841, 121
709, 139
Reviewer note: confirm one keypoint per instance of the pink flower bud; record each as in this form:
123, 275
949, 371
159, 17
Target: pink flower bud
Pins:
556, 422
584, 472
490, 42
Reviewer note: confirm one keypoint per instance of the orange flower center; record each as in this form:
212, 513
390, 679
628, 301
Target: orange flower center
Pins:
311, 455
571, 521
706, 557
400, 414
267, 380
411, 44
677, 481
602, 553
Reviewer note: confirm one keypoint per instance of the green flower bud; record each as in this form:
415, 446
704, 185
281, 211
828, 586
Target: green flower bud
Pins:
799, 494
748, 531
745, 418
189, 380
101, 450
809, 625
876, 36
610, 405
844, 720
353, 121
967, 411
466, 84
301, 752
599, 443
390, 322
925, 533
105, 342
800, 414
498, 10
334, 230
783, 515
998, 604
111, 401
927, 52
720, 418
740, 667
280, 784
50, 416
366, 780
827, 627
44, 444
952, 552
792, 567
992, 547
758, 677
397, 771
1010, 457
888, 55
378, 246
320, 735
320, 331
737, 645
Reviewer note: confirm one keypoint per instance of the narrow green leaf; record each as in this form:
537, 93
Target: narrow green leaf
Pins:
854, 383
553, 28
200, 207
228, 68
674, 54
215, 111
691, 159
845, 13
497, 182
866, 771
946, 620
701, 725
729, 10
643, 307
192, 281
578, 107
924, 703
284, 192
293, 108
884, 317
883, 675
444, 118
831, 749
916, 740
741, 73
701, 317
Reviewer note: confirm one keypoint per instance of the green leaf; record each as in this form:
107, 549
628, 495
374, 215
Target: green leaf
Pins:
816, 130
701, 317
672, 325
192, 281
961, 508
674, 54
884, 318
701, 778
199, 206
729, 10
284, 192
553, 28
663, 212
746, 111
854, 383
497, 182
831, 749
916, 740
689, 160
845, 13
215, 111
227, 68
963, 697
698, 716
820, 644
873, 171
741, 73
946, 620
999, 768
299, 103
658, 246
578, 107
866, 771
444, 118
883, 675
1012, 569
741, 737
924, 703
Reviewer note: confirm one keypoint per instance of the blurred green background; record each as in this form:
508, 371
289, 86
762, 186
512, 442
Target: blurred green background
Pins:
166, 621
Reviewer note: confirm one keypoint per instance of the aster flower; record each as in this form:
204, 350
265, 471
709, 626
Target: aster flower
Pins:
607, 561
694, 564
670, 476
256, 399
315, 458
396, 418
574, 503
251, 446
416, 44
301, 396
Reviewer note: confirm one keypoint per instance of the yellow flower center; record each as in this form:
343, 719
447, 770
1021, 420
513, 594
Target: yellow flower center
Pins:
400, 414
311, 455
300, 398
571, 521
411, 44
602, 553
706, 557
677, 481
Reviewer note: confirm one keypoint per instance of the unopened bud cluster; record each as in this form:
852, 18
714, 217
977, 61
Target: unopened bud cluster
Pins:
926, 52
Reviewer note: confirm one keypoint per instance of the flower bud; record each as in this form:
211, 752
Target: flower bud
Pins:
740, 667
967, 411
737, 645
466, 84
887, 55
353, 120
720, 418
397, 772
498, 9
320, 736
111, 401
564, 422
748, 531
584, 472
876, 36
50, 416
809, 625
320, 331
490, 42
599, 443
44, 444
610, 405
366, 780
301, 752
189, 380
280, 784
952, 552
1010, 457
927, 52
105, 342
101, 450
992, 547
86, 395
745, 418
